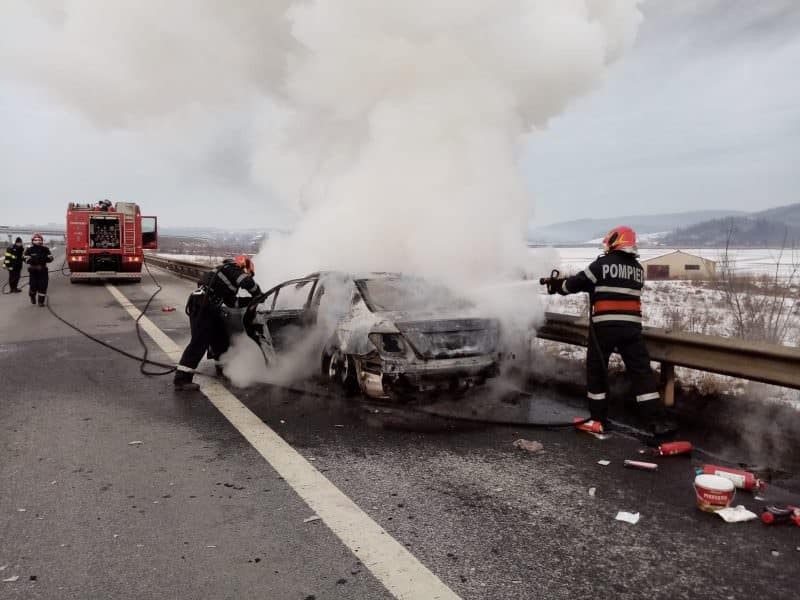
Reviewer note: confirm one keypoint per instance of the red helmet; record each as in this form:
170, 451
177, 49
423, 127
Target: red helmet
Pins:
245, 263
37, 236
621, 238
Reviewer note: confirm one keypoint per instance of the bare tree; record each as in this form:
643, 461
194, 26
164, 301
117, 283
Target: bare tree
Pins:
762, 308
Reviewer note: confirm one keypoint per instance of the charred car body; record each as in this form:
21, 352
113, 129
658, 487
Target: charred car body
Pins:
384, 335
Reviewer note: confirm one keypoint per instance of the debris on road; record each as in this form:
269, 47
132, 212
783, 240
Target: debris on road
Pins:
670, 449
531, 446
22, 510
736, 514
641, 465
632, 518
744, 480
135, 443
774, 553
11, 579
604, 462
675, 448
314, 518
592, 491
589, 426
781, 514
167, 308
713, 493
339, 426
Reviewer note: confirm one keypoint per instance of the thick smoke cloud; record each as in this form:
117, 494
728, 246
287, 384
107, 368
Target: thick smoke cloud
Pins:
393, 129
404, 126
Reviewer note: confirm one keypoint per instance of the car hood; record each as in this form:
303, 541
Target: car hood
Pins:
438, 338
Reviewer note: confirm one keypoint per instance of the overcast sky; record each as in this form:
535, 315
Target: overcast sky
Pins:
703, 112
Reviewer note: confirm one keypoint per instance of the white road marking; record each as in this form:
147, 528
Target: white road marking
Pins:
395, 567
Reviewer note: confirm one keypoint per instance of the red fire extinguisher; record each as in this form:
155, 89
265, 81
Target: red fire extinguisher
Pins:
673, 448
744, 480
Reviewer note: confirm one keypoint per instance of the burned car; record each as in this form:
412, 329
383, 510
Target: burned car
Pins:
381, 334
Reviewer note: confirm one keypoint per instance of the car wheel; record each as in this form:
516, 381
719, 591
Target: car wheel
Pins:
341, 371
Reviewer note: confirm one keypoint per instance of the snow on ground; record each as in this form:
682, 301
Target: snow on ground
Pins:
756, 261
196, 258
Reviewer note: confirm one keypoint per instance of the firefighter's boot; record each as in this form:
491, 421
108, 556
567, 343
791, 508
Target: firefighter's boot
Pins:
42, 298
33, 298
183, 382
655, 419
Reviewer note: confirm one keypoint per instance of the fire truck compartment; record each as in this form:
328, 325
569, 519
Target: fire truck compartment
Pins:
104, 232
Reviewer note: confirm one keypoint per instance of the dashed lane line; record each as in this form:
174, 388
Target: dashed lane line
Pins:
392, 564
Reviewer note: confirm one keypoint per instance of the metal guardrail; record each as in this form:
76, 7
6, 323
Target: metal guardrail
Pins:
756, 361
182, 268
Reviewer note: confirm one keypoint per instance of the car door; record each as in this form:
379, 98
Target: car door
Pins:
290, 312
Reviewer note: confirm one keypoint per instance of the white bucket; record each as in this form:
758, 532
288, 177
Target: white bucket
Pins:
713, 492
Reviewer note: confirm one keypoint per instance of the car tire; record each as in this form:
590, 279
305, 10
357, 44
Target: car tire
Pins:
341, 372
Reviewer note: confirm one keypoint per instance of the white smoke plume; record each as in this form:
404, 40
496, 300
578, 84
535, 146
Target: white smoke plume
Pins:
400, 126
393, 128
405, 122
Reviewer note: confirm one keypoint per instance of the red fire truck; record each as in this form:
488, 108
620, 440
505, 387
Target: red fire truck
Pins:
106, 242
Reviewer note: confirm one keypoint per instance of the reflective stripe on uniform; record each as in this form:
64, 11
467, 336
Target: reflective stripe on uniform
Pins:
241, 278
226, 281
609, 305
593, 396
628, 318
647, 397
588, 272
617, 290
564, 287
185, 369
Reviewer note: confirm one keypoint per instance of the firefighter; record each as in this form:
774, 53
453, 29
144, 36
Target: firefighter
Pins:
37, 255
13, 264
614, 283
204, 308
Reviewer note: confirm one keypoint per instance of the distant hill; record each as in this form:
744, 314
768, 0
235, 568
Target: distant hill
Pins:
772, 227
582, 230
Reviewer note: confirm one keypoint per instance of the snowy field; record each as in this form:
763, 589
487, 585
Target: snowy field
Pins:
756, 261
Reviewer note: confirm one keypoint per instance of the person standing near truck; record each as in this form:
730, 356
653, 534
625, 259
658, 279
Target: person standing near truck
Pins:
38, 256
12, 262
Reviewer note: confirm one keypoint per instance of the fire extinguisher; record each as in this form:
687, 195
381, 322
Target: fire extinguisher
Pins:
674, 448
744, 480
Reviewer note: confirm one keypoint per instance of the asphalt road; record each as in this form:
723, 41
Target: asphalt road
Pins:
194, 511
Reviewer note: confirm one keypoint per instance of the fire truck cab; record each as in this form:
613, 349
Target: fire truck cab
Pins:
106, 241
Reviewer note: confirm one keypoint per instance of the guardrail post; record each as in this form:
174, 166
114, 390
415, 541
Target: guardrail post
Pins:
668, 381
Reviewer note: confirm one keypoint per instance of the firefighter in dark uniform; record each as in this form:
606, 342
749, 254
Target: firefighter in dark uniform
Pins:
204, 308
12, 262
37, 255
614, 283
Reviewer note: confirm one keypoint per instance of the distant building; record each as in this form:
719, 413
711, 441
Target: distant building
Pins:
679, 265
